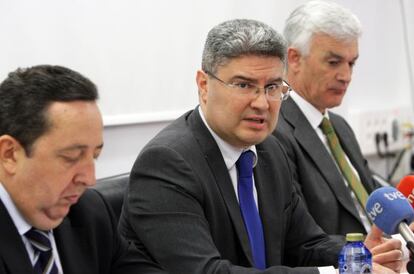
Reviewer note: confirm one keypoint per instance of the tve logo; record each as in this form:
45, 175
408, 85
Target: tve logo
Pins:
394, 195
387, 208
376, 209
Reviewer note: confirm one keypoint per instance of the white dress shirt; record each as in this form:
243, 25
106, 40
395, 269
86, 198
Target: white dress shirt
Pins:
314, 117
230, 155
22, 227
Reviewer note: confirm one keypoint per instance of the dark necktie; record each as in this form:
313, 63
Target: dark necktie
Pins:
343, 164
249, 210
45, 263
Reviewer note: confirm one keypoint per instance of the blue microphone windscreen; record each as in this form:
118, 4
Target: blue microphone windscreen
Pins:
387, 208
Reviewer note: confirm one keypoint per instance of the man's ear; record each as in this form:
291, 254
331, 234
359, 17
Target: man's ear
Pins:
201, 79
294, 58
9, 150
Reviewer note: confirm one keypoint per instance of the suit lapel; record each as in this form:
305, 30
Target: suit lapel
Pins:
222, 178
13, 253
310, 142
270, 204
72, 246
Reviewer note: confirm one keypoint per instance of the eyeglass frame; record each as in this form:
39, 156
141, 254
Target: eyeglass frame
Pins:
283, 95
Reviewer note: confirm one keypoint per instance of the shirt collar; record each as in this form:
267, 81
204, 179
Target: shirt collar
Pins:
311, 113
21, 224
230, 153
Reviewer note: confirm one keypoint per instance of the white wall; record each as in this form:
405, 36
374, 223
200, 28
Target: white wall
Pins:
143, 55
381, 77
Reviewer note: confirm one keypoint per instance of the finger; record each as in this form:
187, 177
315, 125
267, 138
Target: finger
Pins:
391, 259
387, 245
412, 226
386, 257
379, 269
395, 266
375, 233
374, 237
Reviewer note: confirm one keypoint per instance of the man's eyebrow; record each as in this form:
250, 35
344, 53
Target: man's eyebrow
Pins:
277, 79
77, 147
331, 54
241, 77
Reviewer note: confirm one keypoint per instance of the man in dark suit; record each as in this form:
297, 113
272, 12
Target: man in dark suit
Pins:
322, 50
50, 136
187, 201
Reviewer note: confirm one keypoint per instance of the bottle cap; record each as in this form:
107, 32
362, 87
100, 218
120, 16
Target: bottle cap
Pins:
354, 237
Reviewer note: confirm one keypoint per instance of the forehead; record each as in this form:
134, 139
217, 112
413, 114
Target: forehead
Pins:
62, 114
325, 44
77, 122
253, 64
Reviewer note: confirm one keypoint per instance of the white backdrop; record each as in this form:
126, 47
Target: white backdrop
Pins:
143, 55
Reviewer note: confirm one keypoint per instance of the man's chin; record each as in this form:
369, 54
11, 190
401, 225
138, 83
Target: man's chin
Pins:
47, 223
337, 100
54, 217
254, 140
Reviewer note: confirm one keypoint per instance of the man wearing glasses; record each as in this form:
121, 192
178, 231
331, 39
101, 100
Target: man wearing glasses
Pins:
212, 192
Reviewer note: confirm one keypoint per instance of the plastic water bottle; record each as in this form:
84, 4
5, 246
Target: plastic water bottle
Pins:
355, 258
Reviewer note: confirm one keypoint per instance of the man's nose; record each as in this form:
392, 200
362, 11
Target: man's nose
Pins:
260, 101
345, 73
86, 175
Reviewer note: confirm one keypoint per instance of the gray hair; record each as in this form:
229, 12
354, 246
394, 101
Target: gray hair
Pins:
241, 37
325, 17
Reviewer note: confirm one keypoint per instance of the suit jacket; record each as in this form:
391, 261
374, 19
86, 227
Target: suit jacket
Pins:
87, 241
317, 178
182, 206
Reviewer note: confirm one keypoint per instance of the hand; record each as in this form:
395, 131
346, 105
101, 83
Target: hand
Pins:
386, 253
412, 226
379, 269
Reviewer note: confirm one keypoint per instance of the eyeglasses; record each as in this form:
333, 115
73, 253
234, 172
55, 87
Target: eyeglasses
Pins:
274, 92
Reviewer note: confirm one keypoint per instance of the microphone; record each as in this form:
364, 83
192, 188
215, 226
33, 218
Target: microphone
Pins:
406, 187
390, 211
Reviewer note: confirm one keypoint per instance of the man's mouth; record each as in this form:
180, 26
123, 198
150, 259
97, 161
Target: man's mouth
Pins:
256, 120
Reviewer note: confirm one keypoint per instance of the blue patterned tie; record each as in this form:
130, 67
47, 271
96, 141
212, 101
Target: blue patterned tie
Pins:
249, 210
45, 263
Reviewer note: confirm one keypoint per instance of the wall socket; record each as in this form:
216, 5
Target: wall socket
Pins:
394, 122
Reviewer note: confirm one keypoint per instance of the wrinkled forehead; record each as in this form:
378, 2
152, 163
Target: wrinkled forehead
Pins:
322, 39
248, 62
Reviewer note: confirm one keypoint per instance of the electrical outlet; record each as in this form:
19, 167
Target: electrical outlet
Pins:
366, 124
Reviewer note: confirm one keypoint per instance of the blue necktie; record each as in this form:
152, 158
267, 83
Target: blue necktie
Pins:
248, 208
40, 241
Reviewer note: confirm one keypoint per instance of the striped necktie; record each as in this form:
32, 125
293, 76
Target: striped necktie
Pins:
44, 261
342, 162
249, 210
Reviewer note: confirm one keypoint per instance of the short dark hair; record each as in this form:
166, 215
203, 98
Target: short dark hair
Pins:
26, 94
